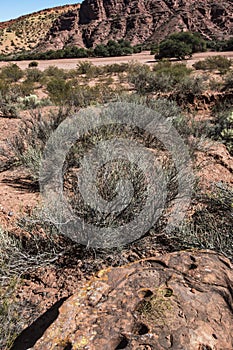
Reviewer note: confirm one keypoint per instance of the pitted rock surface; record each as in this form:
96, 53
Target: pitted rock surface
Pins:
181, 300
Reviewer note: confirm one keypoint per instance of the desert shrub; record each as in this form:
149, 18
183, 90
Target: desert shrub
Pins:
32, 102
109, 174
145, 81
4, 88
191, 85
169, 109
177, 68
71, 93
221, 127
11, 72
10, 313
141, 77
101, 51
11, 323
83, 96
137, 48
227, 45
154, 49
26, 147
33, 64
162, 82
59, 90
164, 77
215, 84
210, 227
55, 72
214, 45
220, 63
88, 69
26, 88
33, 75
120, 48
8, 104
116, 68
95, 71
175, 71
84, 67
19, 257
228, 81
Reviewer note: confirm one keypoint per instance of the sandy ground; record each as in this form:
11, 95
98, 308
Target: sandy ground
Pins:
143, 57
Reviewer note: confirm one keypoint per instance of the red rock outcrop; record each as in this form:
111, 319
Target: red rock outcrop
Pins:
182, 300
139, 21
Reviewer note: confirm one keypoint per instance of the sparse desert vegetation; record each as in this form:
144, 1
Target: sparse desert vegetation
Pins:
200, 108
116, 177
25, 33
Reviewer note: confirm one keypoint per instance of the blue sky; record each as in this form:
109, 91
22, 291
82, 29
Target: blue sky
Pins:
10, 9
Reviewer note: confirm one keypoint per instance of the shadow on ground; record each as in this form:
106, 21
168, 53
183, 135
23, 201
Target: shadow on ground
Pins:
30, 335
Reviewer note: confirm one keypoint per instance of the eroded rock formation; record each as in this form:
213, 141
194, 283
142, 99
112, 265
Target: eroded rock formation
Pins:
182, 300
139, 21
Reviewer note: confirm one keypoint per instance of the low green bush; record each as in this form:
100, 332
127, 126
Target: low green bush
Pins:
26, 147
210, 227
191, 85
88, 69
228, 81
227, 45
11, 72
8, 104
221, 127
59, 90
220, 63
33, 64
71, 93
141, 77
115, 68
33, 75
19, 257
164, 78
53, 71
32, 102
176, 71
26, 88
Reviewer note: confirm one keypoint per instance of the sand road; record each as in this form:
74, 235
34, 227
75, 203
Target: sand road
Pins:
143, 57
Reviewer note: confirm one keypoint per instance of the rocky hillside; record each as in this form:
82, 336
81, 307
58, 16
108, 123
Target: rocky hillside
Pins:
138, 21
26, 32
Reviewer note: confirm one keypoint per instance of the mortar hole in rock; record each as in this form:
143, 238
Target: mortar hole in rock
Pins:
68, 346
168, 292
193, 267
147, 293
205, 347
142, 329
123, 343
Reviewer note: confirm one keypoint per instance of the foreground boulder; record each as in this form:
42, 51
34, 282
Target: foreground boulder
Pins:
182, 300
